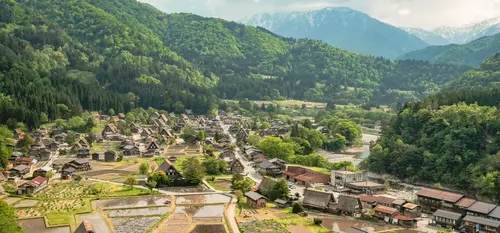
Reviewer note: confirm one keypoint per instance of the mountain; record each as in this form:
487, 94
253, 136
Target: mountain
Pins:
468, 33
427, 36
470, 54
450, 138
487, 75
60, 57
341, 27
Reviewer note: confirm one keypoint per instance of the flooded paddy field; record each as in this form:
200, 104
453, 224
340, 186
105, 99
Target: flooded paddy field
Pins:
202, 199
138, 212
132, 202
134, 224
212, 211
37, 225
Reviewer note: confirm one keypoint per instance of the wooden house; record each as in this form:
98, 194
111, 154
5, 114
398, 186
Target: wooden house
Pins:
266, 185
83, 152
349, 205
255, 200
446, 219
170, 170
42, 171
236, 166
110, 156
76, 165
412, 210
227, 155
33, 186
166, 132
462, 205
481, 209
305, 176
433, 199
368, 201
109, 129
84, 142
131, 150
480, 224
280, 203
152, 146
96, 155
316, 199
19, 170
385, 213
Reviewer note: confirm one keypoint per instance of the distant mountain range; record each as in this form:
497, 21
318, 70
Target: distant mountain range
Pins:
457, 35
470, 54
341, 27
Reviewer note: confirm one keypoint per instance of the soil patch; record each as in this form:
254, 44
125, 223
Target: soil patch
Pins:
26, 203
104, 172
208, 229
37, 225
298, 229
11, 200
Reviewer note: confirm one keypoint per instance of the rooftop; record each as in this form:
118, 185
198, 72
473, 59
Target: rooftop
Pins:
481, 207
465, 202
482, 221
447, 214
440, 194
385, 209
254, 196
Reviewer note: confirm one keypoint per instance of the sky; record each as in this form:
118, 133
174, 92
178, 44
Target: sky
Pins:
426, 14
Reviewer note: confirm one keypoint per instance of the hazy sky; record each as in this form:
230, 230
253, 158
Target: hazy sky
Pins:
411, 13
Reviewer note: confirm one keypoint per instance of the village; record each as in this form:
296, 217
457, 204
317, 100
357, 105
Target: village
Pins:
85, 185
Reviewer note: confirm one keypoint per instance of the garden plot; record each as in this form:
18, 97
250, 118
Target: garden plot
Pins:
209, 228
174, 224
138, 212
263, 226
210, 211
97, 221
132, 202
202, 199
63, 191
26, 203
28, 213
134, 224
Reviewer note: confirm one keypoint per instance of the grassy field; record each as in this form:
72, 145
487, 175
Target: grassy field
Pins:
104, 146
221, 183
286, 103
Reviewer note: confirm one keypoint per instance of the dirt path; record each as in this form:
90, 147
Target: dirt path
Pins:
231, 218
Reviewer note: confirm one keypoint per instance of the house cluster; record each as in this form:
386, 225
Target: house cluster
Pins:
455, 210
269, 167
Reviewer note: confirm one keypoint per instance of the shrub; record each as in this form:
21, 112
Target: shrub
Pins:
297, 208
317, 221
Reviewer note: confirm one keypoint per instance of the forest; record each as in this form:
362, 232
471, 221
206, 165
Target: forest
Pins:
61, 57
451, 138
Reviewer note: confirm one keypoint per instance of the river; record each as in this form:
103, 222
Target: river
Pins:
355, 155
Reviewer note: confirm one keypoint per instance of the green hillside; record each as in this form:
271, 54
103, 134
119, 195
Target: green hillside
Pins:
451, 138
470, 54
102, 54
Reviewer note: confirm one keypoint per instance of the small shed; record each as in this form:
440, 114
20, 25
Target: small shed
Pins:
255, 200
281, 203
110, 156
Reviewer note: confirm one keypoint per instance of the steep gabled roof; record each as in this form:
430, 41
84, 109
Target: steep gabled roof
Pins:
348, 203
266, 185
317, 198
85, 227
254, 196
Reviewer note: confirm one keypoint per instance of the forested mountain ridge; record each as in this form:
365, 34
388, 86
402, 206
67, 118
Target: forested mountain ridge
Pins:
65, 56
470, 54
341, 27
451, 138
487, 75
120, 54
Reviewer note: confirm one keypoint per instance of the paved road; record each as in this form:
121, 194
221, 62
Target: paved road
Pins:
249, 169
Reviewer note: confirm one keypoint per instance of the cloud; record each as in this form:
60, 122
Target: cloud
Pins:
404, 11
412, 13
